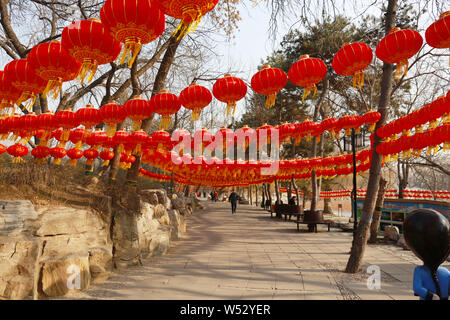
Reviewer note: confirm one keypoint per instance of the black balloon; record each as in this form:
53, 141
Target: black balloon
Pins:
427, 233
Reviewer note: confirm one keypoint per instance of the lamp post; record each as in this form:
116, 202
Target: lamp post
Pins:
356, 141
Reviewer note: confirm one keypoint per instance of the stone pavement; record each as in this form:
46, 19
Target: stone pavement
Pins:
252, 256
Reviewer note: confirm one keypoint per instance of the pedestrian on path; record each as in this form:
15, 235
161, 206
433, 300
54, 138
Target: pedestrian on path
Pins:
233, 198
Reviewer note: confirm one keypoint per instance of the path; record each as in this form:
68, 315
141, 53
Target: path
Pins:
252, 256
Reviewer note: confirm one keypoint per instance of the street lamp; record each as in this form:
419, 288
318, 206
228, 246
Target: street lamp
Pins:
355, 141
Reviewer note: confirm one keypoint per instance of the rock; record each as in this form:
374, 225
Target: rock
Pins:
146, 226
154, 197
392, 233
100, 263
65, 274
16, 217
159, 211
402, 243
178, 204
66, 221
176, 224
17, 263
160, 242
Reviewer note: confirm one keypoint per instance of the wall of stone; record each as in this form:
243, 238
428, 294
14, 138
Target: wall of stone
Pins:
42, 251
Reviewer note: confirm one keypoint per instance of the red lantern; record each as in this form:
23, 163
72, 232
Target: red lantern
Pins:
46, 122
138, 109
165, 104
53, 63
96, 139
307, 72
138, 138
195, 98
89, 117
89, 43
121, 139
77, 137
330, 125
8, 95
351, 60
74, 154
112, 114
91, 155
438, 34
40, 153
268, 82
264, 134
189, 11
397, 47
133, 23
67, 120
348, 122
229, 90
162, 140
22, 76
371, 118
58, 153
106, 155
18, 151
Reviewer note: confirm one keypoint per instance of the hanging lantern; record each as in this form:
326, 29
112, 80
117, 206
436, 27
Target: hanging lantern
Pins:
179, 137
91, 155
245, 136
133, 23
264, 134
89, 117
189, 11
121, 139
330, 125
397, 47
58, 153
74, 154
307, 128
307, 72
18, 151
286, 130
139, 138
8, 95
202, 138
89, 43
21, 76
40, 153
227, 136
371, 118
165, 104
67, 120
106, 155
229, 90
112, 114
438, 34
46, 122
195, 98
162, 140
351, 60
138, 109
348, 122
269, 81
28, 126
96, 139
52, 62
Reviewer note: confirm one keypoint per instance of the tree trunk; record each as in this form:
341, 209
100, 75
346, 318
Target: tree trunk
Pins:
296, 190
250, 195
277, 192
375, 225
362, 232
403, 175
314, 183
269, 193
256, 194
158, 85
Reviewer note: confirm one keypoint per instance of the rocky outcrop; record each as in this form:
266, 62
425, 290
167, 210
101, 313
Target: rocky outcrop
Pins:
53, 250
392, 233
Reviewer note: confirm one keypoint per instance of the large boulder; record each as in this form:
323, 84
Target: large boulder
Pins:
154, 197
16, 217
17, 263
125, 237
64, 274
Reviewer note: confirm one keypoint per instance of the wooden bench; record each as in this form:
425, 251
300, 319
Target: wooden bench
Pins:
313, 224
286, 210
312, 219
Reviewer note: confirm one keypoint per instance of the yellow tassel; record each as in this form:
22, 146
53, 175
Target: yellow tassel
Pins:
136, 125
57, 162
105, 163
73, 162
26, 96
270, 102
401, 69
54, 87
131, 50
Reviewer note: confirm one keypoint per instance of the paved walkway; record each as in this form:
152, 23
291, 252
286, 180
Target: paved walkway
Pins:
252, 256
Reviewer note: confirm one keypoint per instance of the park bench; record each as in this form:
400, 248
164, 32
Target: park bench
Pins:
287, 210
312, 220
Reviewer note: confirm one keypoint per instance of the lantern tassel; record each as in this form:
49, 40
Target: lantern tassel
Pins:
57, 162
231, 105
165, 122
105, 163
308, 91
270, 102
54, 87
136, 125
401, 69
88, 69
73, 162
131, 50
26, 96
190, 22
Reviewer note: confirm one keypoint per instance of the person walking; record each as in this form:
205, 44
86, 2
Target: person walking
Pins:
233, 198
